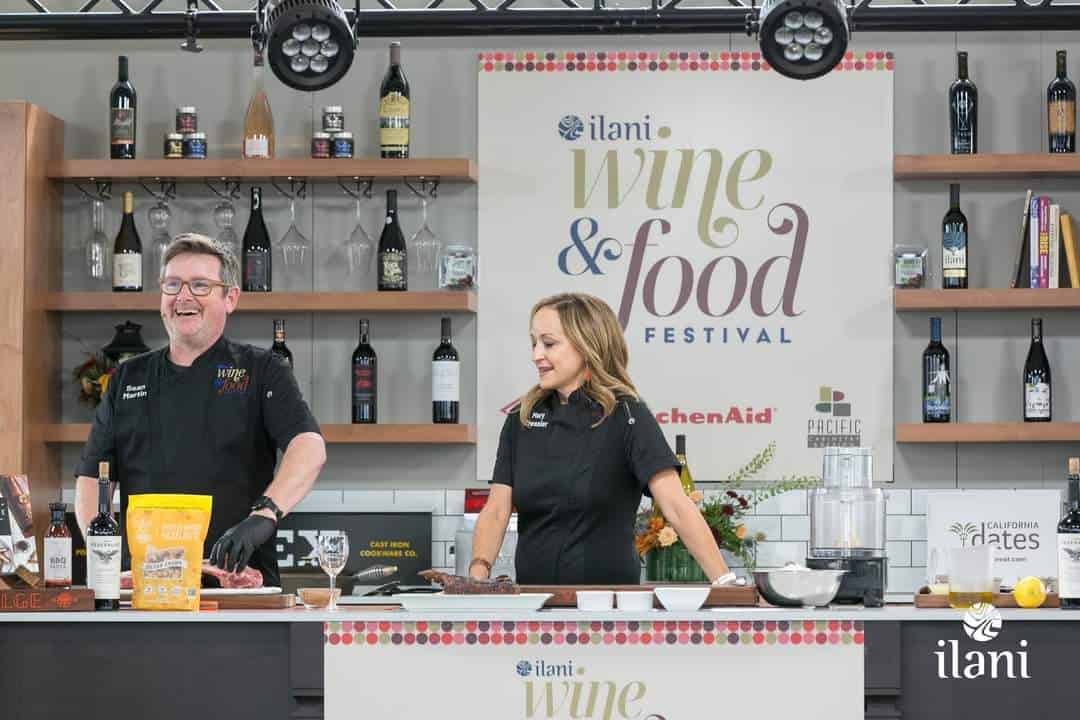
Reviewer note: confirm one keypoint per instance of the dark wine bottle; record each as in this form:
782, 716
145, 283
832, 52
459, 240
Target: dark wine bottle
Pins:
279, 349
954, 244
1038, 396
445, 379
122, 106
257, 253
365, 380
394, 108
393, 259
127, 252
1061, 110
1068, 542
937, 390
963, 110
103, 548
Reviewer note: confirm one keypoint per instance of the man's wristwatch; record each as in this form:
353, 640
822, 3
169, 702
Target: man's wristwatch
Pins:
265, 503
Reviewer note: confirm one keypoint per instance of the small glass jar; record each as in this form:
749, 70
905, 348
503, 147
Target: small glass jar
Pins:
457, 268
195, 146
174, 145
320, 145
333, 119
342, 145
187, 120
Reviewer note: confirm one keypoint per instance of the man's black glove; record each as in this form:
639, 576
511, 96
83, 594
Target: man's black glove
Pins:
234, 549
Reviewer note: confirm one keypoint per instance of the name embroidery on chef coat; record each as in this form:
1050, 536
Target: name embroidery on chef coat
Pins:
133, 392
536, 420
231, 380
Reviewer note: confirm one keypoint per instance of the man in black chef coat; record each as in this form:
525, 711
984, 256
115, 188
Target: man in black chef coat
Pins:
206, 416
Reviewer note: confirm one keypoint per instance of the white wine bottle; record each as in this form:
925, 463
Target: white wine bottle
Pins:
127, 252
685, 478
258, 120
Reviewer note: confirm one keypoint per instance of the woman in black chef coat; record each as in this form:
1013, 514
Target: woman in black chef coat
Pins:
575, 457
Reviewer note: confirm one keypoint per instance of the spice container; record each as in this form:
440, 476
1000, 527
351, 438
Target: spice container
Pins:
333, 119
343, 145
174, 145
195, 146
457, 268
187, 120
320, 145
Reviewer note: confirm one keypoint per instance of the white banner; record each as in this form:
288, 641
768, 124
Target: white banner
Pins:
593, 670
738, 222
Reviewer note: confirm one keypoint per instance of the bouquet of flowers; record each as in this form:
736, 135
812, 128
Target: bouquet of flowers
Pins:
92, 378
724, 510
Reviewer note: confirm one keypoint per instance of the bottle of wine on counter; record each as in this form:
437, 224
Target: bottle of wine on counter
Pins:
954, 244
279, 349
365, 380
963, 110
393, 259
394, 108
1061, 110
122, 106
445, 379
1038, 403
127, 252
103, 548
258, 120
937, 384
256, 251
1068, 541
685, 477
57, 548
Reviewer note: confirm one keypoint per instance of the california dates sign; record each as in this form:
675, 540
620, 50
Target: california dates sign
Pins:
738, 222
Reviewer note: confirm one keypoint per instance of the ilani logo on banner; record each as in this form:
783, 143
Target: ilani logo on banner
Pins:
558, 690
982, 623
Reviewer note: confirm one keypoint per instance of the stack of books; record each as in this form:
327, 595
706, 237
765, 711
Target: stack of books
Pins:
1048, 253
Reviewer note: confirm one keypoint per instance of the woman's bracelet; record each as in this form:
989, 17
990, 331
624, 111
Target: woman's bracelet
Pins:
480, 561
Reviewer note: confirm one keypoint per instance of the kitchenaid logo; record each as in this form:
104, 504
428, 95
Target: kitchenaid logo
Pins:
982, 623
833, 424
602, 128
1002, 534
731, 416
560, 690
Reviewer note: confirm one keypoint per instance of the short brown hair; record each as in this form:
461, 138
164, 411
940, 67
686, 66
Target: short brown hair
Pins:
197, 244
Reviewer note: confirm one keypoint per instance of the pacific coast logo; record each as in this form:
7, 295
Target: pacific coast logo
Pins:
833, 424
560, 690
982, 623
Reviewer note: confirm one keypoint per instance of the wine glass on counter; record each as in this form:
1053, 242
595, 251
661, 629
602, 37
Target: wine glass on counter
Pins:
359, 248
97, 246
333, 554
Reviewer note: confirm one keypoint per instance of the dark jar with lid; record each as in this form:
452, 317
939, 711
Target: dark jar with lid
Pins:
320, 145
343, 145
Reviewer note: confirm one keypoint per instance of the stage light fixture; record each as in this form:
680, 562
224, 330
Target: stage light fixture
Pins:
802, 39
309, 43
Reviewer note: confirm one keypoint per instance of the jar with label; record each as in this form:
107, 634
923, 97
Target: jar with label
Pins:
187, 120
195, 146
342, 145
457, 268
174, 145
320, 145
57, 548
333, 119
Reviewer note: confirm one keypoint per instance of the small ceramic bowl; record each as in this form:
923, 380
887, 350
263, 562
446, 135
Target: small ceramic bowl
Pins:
595, 599
315, 598
639, 600
682, 598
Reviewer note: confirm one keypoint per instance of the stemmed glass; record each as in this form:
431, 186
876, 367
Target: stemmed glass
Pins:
97, 245
359, 248
424, 242
333, 551
158, 216
294, 245
224, 214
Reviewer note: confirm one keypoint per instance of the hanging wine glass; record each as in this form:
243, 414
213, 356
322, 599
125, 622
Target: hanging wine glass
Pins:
97, 245
158, 216
224, 214
424, 243
294, 246
359, 248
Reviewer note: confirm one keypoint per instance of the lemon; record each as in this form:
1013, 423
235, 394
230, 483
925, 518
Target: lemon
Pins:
1029, 592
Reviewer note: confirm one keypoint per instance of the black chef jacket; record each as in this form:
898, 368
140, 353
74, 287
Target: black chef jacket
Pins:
577, 488
209, 429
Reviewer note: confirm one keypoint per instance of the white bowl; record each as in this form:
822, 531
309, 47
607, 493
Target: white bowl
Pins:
639, 600
594, 599
682, 598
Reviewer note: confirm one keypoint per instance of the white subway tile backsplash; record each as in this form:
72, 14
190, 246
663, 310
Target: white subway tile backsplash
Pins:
898, 501
905, 527
455, 502
792, 502
433, 501
918, 501
775, 554
918, 553
899, 552
321, 501
796, 527
906, 580
443, 527
769, 525
368, 501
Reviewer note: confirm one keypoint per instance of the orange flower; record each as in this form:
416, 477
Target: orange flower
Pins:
668, 536
697, 496
103, 381
740, 532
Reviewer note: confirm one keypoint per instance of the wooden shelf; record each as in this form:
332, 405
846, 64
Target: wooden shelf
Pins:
446, 169
333, 433
444, 301
1011, 432
946, 167
907, 300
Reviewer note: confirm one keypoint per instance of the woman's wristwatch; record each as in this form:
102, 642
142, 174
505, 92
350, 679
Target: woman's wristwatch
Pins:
480, 561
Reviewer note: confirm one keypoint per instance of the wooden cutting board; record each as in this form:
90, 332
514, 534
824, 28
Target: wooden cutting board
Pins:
77, 599
1001, 600
277, 601
727, 596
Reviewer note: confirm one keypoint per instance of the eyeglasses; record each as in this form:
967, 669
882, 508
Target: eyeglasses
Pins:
199, 287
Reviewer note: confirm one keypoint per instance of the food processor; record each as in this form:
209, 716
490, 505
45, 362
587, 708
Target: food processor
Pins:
847, 526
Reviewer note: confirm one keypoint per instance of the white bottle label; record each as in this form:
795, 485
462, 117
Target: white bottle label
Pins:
103, 566
58, 560
1037, 400
1069, 565
127, 270
445, 380
257, 146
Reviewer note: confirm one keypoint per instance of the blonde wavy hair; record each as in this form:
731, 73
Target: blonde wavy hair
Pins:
594, 331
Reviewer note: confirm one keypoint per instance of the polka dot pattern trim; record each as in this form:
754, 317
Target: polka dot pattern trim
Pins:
552, 61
